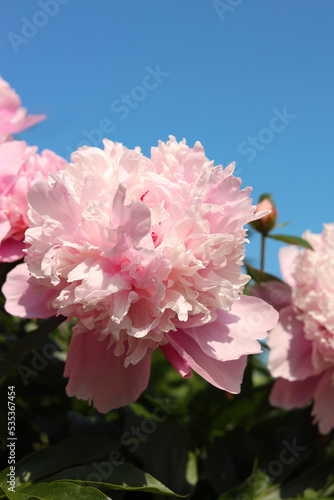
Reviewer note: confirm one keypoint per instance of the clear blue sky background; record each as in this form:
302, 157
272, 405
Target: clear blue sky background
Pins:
227, 69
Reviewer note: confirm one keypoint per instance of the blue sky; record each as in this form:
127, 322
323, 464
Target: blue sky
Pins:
251, 80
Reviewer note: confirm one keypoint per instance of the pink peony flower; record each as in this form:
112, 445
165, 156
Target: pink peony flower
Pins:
145, 253
20, 168
302, 344
13, 118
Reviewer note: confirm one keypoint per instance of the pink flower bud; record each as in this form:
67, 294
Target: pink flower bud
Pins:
266, 223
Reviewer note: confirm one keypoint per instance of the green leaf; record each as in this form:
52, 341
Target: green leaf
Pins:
191, 472
328, 488
314, 482
15, 495
61, 490
69, 452
57, 462
260, 276
257, 487
115, 476
165, 454
282, 224
291, 240
32, 340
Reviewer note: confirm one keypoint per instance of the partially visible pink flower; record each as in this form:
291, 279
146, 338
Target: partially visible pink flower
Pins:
145, 253
20, 168
302, 344
13, 118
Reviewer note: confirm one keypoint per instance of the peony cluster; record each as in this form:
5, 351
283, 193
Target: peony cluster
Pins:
20, 168
144, 253
13, 118
302, 344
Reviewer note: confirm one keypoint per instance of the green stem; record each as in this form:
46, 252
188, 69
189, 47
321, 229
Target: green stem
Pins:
263, 250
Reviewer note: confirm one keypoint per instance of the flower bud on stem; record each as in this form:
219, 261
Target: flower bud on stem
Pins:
263, 248
267, 222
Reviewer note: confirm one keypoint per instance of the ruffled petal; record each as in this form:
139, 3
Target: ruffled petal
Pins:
177, 362
234, 334
4, 226
290, 354
96, 374
12, 155
21, 299
11, 250
224, 375
275, 293
287, 256
323, 408
13, 117
21, 124
296, 394
256, 317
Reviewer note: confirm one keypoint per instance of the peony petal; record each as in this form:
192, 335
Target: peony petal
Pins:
12, 154
290, 352
13, 117
234, 334
15, 128
257, 317
323, 408
225, 375
54, 204
180, 365
11, 250
96, 374
21, 299
135, 218
137, 221
4, 227
274, 293
288, 395
287, 256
